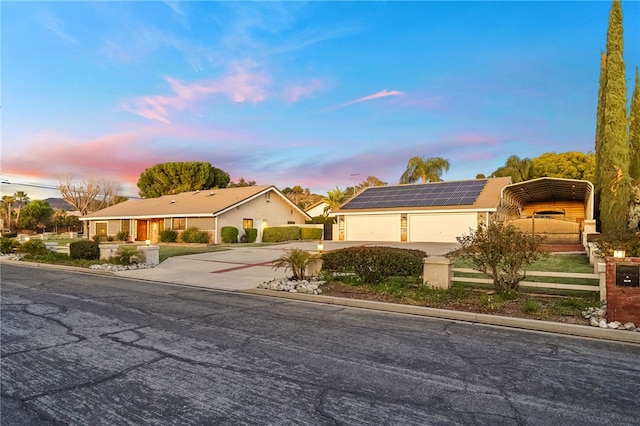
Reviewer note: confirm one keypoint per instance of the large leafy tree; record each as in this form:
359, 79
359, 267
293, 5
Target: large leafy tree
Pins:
612, 150
424, 169
568, 165
519, 169
301, 197
36, 215
370, 181
176, 177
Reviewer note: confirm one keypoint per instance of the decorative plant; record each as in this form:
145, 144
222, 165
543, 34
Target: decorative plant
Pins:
501, 251
296, 260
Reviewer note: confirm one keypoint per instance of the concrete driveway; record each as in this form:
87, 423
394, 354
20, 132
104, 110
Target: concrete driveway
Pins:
244, 268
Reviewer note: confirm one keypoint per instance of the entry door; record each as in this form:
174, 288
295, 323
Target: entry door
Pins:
141, 230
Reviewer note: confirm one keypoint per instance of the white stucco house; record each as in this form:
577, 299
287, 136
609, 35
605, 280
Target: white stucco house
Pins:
209, 210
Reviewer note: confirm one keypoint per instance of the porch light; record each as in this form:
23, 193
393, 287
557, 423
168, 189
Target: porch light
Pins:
320, 247
148, 242
619, 254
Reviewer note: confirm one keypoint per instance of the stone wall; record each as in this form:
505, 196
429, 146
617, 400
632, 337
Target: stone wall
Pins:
623, 303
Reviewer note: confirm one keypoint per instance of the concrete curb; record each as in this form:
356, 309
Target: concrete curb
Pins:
520, 323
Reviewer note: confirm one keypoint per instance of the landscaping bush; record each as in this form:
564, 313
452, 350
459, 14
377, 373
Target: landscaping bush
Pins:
122, 236
33, 247
99, 238
126, 255
10, 235
279, 234
194, 235
311, 233
251, 235
229, 234
89, 250
500, 250
375, 264
8, 245
168, 236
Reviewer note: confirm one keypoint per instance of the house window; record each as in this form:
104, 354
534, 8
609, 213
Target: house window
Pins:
247, 223
101, 228
179, 223
125, 226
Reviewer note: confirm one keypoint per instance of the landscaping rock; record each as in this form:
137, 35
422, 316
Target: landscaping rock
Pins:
629, 326
311, 286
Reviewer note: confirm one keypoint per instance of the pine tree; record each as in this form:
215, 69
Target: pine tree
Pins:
634, 132
613, 158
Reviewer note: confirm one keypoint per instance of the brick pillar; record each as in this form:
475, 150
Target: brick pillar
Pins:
623, 303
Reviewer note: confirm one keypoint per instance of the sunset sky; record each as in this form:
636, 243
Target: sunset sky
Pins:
317, 94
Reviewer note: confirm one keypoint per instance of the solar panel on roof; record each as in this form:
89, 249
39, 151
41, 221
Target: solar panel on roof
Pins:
422, 195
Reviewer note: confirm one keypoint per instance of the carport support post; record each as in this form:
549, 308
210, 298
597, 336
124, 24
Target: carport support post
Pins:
437, 272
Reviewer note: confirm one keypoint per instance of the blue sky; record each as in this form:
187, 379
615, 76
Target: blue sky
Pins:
317, 94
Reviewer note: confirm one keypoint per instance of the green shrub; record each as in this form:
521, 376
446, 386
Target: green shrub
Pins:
501, 251
8, 245
251, 235
99, 238
126, 255
279, 234
229, 234
122, 236
10, 235
89, 250
33, 248
194, 235
375, 264
311, 233
168, 236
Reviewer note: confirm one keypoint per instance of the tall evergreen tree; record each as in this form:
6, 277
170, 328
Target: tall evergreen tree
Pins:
634, 132
599, 132
613, 157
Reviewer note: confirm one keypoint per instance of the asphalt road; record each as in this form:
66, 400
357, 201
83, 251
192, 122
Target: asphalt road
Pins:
98, 350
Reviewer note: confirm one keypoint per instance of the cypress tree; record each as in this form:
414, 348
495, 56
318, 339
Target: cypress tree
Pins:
599, 135
634, 133
613, 161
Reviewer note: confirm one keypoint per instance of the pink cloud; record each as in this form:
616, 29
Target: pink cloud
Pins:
296, 92
382, 94
240, 85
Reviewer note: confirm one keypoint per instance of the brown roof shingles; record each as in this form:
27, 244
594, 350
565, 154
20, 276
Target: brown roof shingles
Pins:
195, 203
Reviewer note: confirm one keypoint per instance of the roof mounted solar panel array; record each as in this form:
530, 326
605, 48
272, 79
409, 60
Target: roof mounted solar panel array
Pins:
423, 195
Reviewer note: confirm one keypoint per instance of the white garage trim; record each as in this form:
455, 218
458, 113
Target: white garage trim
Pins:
379, 227
440, 228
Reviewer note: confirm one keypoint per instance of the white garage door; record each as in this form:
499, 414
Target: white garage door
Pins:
373, 228
440, 228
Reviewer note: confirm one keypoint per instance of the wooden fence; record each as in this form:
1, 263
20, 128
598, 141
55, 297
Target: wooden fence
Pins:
598, 278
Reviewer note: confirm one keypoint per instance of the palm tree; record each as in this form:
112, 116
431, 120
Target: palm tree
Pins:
333, 199
7, 202
22, 199
520, 169
425, 169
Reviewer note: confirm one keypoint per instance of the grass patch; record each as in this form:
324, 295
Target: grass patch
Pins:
572, 263
167, 251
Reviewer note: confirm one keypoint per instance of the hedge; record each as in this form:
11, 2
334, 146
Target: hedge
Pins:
229, 234
89, 250
194, 235
374, 264
281, 233
311, 233
250, 235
